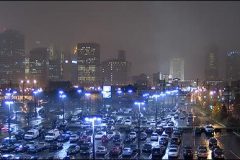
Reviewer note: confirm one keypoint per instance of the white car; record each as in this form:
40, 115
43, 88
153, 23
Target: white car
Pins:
154, 137
110, 134
128, 122
152, 123
99, 135
31, 134
101, 150
73, 138
52, 135
209, 129
173, 152
165, 135
132, 135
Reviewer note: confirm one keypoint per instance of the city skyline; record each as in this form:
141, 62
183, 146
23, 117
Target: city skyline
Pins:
151, 32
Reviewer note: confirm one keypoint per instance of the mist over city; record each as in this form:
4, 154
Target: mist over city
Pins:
119, 80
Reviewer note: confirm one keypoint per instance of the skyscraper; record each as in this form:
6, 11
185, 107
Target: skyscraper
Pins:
211, 70
177, 68
12, 56
88, 60
38, 65
115, 71
232, 66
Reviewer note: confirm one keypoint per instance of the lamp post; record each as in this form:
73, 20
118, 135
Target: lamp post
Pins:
9, 102
87, 95
139, 112
62, 96
92, 120
35, 101
156, 96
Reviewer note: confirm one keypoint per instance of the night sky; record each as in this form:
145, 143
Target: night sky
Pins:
150, 32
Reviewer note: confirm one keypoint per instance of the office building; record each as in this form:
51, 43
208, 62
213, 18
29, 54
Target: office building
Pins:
177, 68
88, 62
211, 70
12, 56
232, 66
115, 71
38, 65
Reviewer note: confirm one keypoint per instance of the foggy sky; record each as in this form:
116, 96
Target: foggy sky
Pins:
150, 32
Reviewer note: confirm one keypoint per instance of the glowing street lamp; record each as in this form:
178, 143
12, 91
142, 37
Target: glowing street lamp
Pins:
92, 120
139, 104
62, 96
9, 102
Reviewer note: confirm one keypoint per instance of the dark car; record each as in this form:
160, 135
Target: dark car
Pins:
117, 138
55, 146
188, 152
7, 148
169, 130
85, 148
143, 136
19, 134
212, 142
21, 148
149, 130
147, 148
217, 153
134, 148
73, 149
63, 138
34, 149
115, 151
158, 152
175, 140
128, 139
163, 141
159, 130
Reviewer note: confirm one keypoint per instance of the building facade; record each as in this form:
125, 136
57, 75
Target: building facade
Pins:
88, 62
12, 56
232, 66
115, 71
38, 65
177, 68
211, 70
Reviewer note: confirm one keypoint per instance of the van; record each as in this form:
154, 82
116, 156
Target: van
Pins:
31, 134
52, 135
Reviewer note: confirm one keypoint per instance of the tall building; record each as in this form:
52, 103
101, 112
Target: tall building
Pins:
233, 66
38, 65
211, 70
88, 61
177, 68
54, 66
115, 71
12, 56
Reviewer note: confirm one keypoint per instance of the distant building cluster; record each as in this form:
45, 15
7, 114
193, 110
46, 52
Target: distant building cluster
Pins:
47, 64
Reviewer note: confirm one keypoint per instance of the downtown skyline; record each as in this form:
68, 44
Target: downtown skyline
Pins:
150, 32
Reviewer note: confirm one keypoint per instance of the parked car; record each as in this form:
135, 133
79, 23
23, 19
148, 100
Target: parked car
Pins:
31, 134
147, 148
212, 142
63, 137
173, 153
73, 149
73, 138
154, 137
158, 152
101, 150
143, 136
99, 135
55, 146
217, 153
115, 151
127, 153
52, 135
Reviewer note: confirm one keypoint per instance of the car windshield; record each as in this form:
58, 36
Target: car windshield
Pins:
50, 134
30, 133
173, 150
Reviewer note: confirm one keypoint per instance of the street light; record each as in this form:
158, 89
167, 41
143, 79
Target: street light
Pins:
87, 95
139, 112
35, 101
92, 120
9, 102
156, 96
62, 96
